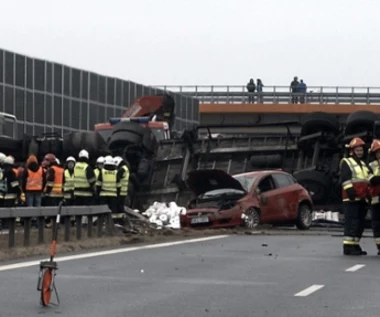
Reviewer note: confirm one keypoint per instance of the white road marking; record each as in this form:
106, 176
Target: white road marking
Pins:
355, 268
309, 290
108, 252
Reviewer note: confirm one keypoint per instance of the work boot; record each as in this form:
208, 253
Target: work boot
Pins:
351, 250
362, 252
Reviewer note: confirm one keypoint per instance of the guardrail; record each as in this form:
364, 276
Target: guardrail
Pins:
26, 214
280, 94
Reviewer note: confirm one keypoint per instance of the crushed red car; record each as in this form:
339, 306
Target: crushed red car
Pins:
249, 199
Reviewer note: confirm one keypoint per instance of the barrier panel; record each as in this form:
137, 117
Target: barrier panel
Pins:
26, 214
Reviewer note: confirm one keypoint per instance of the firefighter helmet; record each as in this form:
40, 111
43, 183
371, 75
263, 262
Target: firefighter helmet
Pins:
71, 159
109, 160
375, 145
9, 160
100, 160
355, 142
83, 153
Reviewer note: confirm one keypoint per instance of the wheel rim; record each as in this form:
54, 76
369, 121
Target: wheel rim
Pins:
46, 287
306, 216
253, 218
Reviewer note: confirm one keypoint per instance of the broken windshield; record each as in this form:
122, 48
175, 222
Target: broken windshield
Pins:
246, 181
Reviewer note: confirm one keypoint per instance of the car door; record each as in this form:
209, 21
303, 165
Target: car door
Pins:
286, 195
268, 198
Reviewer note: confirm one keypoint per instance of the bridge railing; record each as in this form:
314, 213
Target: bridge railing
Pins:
26, 214
280, 94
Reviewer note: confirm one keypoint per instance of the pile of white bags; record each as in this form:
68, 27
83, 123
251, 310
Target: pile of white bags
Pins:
165, 214
326, 215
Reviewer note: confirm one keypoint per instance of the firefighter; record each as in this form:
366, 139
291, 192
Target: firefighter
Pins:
375, 192
124, 181
108, 185
54, 183
99, 166
68, 180
84, 180
355, 174
13, 189
33, 181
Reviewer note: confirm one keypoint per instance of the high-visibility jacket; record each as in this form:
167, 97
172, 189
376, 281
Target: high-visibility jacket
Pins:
68, 186
82, 186
97, 172
3, 184
124, 181
108, 183
359, 180
375, 189
34, 181
57, 183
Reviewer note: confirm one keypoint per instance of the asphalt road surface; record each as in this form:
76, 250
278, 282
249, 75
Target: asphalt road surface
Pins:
231, 276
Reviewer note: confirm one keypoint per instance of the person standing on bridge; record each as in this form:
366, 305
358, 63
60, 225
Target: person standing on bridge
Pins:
259, 85
251, 87
293, 89
375, 192
355, 175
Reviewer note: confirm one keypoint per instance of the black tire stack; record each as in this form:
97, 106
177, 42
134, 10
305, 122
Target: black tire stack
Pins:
322, 180
138, 146
319, 178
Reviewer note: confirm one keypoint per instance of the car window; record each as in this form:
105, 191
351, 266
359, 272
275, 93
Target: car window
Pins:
291, 179
282, 180
266, 184
246, 181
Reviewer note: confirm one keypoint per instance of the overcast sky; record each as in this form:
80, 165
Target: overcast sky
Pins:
204, 42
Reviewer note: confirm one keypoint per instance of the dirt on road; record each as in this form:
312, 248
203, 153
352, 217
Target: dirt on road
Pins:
121, 239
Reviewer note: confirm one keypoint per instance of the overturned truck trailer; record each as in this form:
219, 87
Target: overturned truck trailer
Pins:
311, 150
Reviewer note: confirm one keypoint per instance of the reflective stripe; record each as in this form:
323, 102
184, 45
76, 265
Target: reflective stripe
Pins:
79, 193
118, 216
348, 242
377, 240
124, 181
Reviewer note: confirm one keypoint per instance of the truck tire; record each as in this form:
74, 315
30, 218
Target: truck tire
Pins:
263, 161
123, 138
317, 183
319, 121
131, 127
360, 121
90, 141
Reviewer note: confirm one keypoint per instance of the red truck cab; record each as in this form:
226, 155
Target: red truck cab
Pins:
155, 112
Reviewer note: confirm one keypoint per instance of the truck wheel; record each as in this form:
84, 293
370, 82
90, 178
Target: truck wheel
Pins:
304, 217
319, 121
123, 138
316, 183
360, 121
131, 127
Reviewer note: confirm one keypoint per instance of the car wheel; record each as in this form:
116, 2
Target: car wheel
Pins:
252, 218
304, 218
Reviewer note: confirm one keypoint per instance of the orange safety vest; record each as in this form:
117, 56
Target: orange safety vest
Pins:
58, 181
34, 181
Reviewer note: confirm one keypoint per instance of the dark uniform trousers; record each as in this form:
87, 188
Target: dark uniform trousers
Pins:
354, 215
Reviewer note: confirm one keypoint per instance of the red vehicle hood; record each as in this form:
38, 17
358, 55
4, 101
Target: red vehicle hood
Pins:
202, 181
